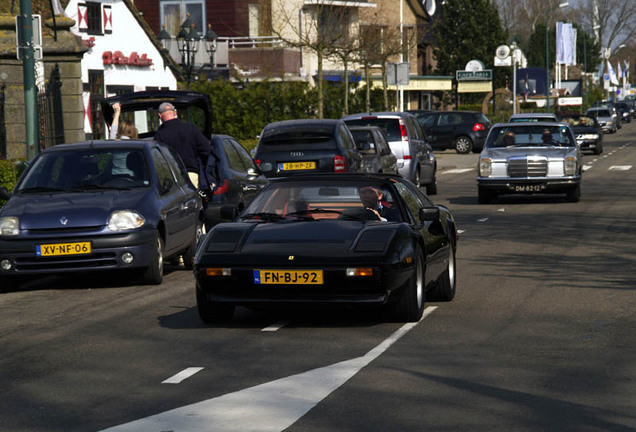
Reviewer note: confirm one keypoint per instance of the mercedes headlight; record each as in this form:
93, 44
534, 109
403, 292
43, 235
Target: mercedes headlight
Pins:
569, 166
9, 225
485, 167
125, 220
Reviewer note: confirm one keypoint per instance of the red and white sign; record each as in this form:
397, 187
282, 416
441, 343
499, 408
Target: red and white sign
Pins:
118, 58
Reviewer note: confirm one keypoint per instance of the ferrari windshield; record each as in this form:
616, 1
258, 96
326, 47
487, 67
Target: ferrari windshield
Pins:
315, 200
89, 169
530, 135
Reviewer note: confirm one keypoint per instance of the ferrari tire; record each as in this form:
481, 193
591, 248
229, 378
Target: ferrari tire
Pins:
574, 194
410, 304
446, 284
190, 252
213, 312
153, 274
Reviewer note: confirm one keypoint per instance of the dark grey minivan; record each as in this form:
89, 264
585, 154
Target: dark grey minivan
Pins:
308, 145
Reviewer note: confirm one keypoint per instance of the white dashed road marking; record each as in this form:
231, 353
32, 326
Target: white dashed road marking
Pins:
586, 167
269, 407
276, 326
184, 374
620, 167
482, 220
458, 170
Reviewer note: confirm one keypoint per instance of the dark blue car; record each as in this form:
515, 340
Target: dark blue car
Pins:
108, 205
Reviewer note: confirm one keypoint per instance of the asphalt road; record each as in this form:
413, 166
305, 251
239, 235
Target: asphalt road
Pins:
540, 336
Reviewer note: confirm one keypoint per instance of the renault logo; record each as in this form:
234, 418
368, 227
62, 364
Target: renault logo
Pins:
63, 220
291, 258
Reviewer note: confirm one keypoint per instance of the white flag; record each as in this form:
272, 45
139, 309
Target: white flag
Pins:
619, 69
612, 74
626, 69
565, 44
57, 7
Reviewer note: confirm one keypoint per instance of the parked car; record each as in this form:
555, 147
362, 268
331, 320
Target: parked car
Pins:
464, 131
626, 111
99, 205
415, 158
604, 117
517, 160
534, 117
308, 145
588, 132
234, 176
331, 250
239, 179
374, 148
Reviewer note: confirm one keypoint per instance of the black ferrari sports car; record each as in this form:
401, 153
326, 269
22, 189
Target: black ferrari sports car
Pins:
330, 239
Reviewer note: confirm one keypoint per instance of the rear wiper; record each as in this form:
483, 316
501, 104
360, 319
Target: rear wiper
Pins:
263, 216
38, 189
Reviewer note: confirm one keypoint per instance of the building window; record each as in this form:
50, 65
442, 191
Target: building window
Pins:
175, 12
333, 24
94, 18
255, 20
96, 89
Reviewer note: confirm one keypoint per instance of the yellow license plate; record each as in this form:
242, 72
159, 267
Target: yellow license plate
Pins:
291, 166
287, 277
57, 249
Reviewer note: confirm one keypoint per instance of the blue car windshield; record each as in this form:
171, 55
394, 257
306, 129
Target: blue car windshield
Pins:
530, 134
86, 170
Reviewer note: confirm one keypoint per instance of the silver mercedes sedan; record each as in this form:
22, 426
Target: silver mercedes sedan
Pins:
530, 158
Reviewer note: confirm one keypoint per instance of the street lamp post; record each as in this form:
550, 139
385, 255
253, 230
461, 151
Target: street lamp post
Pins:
188, 40
513, 47
210, 44
547, 52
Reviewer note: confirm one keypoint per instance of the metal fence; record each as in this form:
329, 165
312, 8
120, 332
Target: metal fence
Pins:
50, 113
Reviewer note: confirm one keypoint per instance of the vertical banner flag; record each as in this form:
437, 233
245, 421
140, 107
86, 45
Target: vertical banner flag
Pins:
626, 69
619, 70
612, 74
565, 44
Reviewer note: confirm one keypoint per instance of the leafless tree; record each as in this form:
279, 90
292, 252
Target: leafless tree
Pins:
318, 27
520, 17
616, 20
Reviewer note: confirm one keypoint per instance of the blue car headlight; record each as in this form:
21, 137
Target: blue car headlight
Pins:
9, 225
121, 220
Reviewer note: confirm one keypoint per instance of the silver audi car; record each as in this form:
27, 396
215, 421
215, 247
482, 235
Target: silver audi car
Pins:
530, 158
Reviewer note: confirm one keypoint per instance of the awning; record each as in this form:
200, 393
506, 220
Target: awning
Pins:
337, 76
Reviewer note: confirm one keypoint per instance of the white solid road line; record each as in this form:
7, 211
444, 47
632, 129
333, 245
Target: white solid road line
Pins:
184, 374
269, 407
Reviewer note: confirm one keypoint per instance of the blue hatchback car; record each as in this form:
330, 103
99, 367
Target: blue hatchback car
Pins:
107, 205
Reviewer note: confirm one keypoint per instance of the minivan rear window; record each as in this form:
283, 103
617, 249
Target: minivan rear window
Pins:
390, 126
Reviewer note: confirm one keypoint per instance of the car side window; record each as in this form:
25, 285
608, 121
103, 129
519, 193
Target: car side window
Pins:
414, 129
162, 167
345, 137
177, 165
233, 159
247, 160
412, 201
426, 121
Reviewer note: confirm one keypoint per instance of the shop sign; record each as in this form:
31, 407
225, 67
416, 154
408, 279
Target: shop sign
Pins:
118, 58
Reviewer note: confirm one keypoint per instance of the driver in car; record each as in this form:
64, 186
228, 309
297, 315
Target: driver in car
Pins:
371, 198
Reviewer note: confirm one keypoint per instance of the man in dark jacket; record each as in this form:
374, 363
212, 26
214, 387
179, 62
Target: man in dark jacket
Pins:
185, 138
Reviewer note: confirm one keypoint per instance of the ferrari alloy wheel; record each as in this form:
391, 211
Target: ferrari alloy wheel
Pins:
463, 145
410, 305
445, 287
188, 255
153, 274
211, 311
